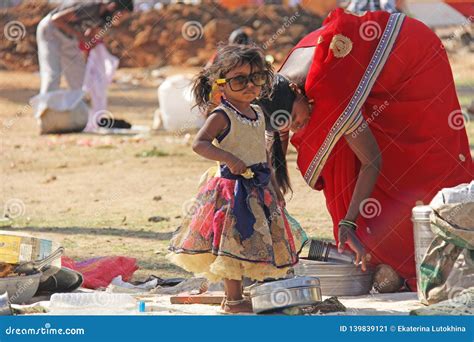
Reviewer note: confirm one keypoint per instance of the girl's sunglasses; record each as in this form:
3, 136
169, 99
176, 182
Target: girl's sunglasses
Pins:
239, 83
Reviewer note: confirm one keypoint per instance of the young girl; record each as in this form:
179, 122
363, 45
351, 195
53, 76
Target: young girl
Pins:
237, 227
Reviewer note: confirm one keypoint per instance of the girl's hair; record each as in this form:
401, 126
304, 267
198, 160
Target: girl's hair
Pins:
278, 159
277, 109
229, 57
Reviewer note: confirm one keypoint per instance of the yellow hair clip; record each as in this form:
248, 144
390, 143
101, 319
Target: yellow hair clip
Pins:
220, 81
248, 174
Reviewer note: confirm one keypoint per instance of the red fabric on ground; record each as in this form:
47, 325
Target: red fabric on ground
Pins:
99, 272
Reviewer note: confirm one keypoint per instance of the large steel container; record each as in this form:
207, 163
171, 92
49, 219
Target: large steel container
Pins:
423, 237
337, 277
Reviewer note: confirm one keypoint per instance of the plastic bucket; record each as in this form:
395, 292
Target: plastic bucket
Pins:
177, 110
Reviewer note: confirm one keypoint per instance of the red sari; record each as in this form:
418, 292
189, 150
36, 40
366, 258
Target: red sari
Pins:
393, 72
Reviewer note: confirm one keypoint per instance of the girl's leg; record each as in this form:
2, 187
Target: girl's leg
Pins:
234, 302
233, 289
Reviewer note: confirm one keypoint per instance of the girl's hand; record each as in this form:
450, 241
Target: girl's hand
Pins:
236, 165
347, 235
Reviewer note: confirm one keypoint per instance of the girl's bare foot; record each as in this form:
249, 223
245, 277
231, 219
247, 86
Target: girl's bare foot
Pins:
238, 306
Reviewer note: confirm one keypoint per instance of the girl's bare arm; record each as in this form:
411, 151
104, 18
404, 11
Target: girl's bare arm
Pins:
215, 124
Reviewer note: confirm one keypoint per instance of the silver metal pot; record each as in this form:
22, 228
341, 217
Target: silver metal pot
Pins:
337, 278
285, 293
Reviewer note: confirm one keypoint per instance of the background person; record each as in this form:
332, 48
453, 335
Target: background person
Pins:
60, 33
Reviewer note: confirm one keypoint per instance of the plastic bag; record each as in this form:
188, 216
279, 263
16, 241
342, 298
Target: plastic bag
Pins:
60, 111
447, 268
176, 105
100, 70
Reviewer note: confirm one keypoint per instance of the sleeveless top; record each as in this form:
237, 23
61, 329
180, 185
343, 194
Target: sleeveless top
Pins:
245, 138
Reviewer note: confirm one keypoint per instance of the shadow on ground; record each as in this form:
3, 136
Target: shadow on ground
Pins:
140, 234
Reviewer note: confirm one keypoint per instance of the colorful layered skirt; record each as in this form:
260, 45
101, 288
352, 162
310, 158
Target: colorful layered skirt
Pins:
210, 243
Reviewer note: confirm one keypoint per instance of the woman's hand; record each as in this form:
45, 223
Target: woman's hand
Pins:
236, 165
347, 235
91, 32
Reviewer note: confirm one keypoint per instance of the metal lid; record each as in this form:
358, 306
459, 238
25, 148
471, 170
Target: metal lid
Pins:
421, 212
284, 284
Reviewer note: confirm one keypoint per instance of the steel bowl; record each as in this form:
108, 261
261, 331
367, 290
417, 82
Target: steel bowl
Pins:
337, 278
286, 293
20, 289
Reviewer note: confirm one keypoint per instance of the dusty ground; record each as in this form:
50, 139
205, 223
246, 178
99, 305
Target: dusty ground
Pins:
94, 194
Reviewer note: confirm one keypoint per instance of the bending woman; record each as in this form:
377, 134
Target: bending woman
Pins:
377, 126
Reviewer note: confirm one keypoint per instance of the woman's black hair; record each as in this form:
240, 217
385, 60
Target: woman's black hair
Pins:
239, 36
120, 5
227, 58
123, 5
277, 109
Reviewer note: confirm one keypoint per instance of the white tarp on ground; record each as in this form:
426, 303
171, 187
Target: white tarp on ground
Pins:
435, 13
372, 304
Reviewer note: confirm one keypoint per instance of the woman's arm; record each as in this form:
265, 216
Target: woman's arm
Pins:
62, 19
365, 147
215, 124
